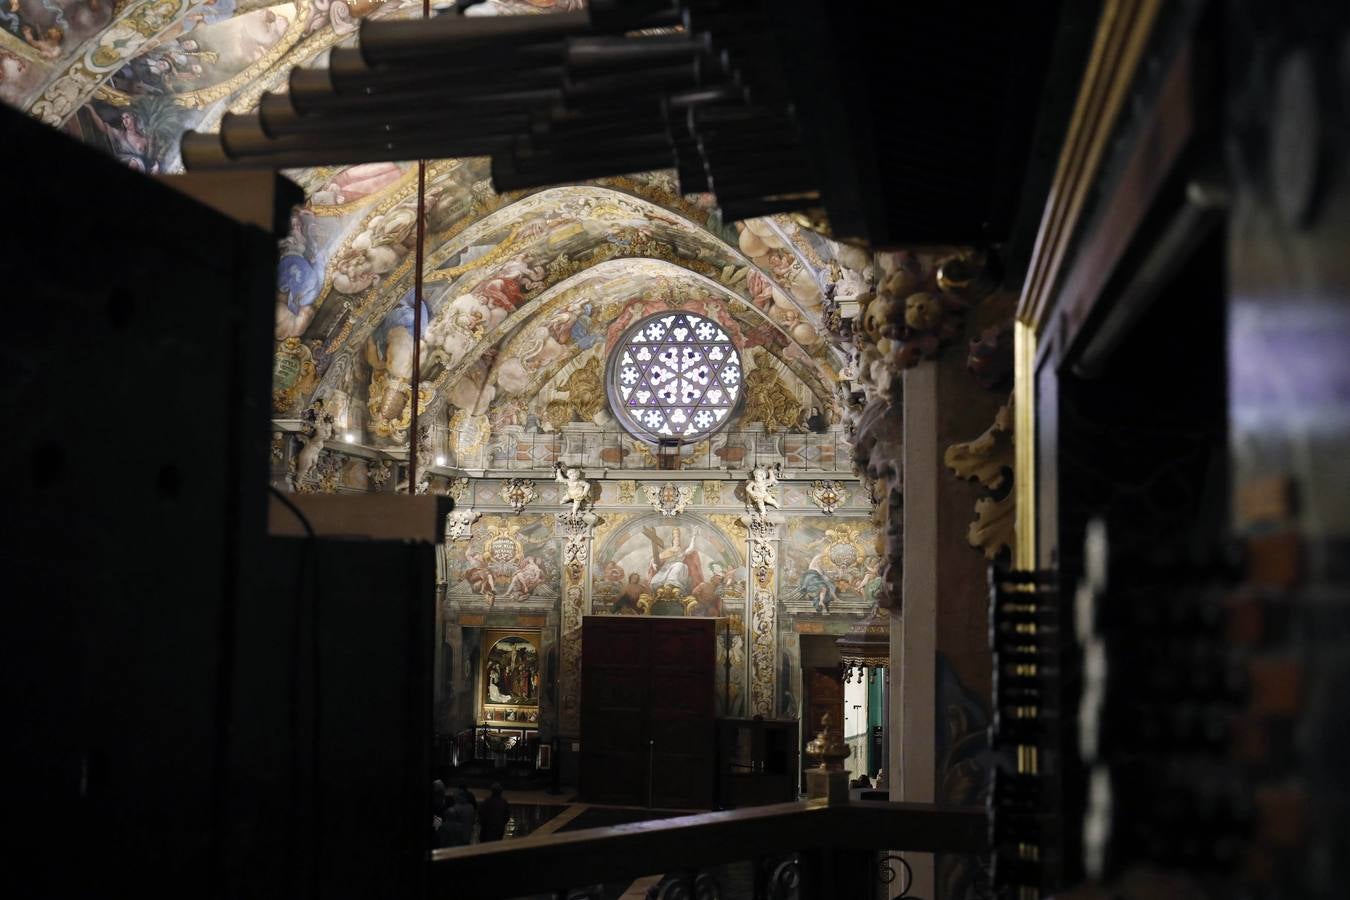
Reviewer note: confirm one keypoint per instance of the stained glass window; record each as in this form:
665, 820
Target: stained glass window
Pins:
675, 376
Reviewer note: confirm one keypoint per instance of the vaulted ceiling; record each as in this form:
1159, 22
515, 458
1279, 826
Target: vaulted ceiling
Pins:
521, 290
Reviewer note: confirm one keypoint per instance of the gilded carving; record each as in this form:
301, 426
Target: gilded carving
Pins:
390, 404
763, 553
767, 398
585, 396
988, 459
763, 664
627, 491
327, 472
460, 489
575, 529
378, 472
712, 493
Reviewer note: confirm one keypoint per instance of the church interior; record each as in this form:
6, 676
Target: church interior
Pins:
677, 449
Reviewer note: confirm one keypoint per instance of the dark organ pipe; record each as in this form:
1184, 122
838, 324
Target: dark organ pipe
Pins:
552, 99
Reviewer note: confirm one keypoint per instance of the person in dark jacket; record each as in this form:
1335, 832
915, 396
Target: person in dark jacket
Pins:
438, 811
469, 798
457, 823
493, 814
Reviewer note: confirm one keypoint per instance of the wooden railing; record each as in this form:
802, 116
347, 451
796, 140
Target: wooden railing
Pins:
806, 850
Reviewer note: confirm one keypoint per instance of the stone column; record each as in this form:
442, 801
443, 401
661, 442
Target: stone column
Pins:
576, 532
762, 633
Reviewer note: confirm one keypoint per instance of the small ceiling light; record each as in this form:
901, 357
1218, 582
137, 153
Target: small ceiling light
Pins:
349, 437
440, 460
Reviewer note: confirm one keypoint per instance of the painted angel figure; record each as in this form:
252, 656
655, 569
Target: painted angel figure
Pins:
316, 426
759, 487
575, 488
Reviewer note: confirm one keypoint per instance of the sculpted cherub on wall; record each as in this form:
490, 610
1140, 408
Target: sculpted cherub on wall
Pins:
575, 489
759, 488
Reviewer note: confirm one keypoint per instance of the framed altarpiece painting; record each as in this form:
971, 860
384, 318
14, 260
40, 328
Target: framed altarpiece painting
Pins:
510, 679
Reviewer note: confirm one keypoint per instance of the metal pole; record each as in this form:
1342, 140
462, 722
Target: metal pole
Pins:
416, 385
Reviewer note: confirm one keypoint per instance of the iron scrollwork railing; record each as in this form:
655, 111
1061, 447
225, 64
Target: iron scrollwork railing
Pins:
791, 851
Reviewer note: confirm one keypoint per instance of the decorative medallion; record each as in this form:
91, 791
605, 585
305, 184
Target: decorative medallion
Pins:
669, 499
627, 491
519, 492
827, 495
294, 376
468, 434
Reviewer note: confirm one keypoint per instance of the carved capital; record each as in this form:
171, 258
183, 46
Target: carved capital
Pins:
459, 524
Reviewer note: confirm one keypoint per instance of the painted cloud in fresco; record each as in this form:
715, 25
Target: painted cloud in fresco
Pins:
54, 29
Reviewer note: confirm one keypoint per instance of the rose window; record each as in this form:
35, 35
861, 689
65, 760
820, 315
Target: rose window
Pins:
675, 376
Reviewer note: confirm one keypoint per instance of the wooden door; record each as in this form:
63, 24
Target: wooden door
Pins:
824, 694
680, 713
647, 711
615, 685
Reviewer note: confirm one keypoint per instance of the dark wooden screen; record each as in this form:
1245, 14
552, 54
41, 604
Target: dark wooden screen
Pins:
647, 688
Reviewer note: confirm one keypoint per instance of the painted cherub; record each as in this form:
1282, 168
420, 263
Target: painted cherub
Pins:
759, 487
576, 489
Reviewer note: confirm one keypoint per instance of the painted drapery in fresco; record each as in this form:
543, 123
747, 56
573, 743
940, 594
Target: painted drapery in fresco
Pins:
654, 567
829, 566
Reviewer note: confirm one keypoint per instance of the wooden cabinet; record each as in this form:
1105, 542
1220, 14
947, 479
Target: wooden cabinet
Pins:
647, 735
757, 761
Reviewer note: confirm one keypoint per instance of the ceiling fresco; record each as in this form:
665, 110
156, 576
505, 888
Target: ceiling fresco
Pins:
522, 290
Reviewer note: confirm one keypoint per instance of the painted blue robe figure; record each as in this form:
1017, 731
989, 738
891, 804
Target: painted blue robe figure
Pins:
299, 276
816, 585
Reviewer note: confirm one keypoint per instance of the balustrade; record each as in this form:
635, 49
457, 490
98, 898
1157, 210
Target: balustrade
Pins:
810, 850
